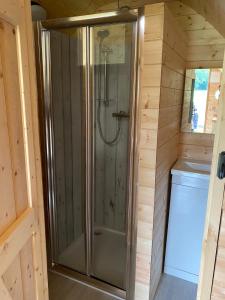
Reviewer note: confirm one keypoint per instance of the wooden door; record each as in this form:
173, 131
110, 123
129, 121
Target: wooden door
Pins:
22, 238
214, 210
218, 288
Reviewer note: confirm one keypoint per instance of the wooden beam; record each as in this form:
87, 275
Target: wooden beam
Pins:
14, 238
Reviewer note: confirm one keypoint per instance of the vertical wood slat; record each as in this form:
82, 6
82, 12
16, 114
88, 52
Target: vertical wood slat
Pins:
8, 211
14, 115
12, 111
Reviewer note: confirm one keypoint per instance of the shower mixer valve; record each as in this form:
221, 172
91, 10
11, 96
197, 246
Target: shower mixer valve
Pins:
120, 115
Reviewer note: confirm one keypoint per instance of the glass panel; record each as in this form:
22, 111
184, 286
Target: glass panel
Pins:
68, 115
111, 61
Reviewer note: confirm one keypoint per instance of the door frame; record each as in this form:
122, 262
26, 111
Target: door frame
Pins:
86, 21
214, 207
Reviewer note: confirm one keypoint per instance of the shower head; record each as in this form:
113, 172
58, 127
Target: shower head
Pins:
102, 34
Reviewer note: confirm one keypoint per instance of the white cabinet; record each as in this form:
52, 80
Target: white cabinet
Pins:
186, 226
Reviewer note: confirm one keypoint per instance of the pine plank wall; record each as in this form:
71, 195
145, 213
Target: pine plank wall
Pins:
161, 100
161, 142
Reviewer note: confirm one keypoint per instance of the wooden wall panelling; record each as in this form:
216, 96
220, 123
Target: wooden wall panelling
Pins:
198, 146
173, 68
204, 36
150, 98
161, 98
213, 56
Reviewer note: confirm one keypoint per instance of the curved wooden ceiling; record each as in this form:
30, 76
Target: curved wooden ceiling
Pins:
212, 10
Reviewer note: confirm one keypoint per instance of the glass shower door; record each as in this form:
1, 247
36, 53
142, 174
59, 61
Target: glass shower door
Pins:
112, 61
65, 114
88, 75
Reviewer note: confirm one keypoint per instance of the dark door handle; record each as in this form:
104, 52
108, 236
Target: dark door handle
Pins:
221, 166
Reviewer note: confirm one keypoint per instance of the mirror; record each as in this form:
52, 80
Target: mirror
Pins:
201, 100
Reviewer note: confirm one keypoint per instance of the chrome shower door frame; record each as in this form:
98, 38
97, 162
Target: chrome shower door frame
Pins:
131, 155
44, 63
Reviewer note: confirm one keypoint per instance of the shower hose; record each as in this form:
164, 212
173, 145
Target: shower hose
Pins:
108, 142
115, 139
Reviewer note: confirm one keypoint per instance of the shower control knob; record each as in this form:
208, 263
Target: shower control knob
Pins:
120, 115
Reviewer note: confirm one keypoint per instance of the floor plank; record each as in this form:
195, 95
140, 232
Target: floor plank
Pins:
173, 288
66, 289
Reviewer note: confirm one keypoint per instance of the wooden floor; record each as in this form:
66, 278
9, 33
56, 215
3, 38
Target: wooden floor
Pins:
173, 288
61, 288
170, 288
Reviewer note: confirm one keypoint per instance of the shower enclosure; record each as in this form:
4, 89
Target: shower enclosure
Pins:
88, 80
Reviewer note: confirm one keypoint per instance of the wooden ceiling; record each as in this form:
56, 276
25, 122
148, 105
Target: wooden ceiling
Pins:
198, 30
205, 44
212, 10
